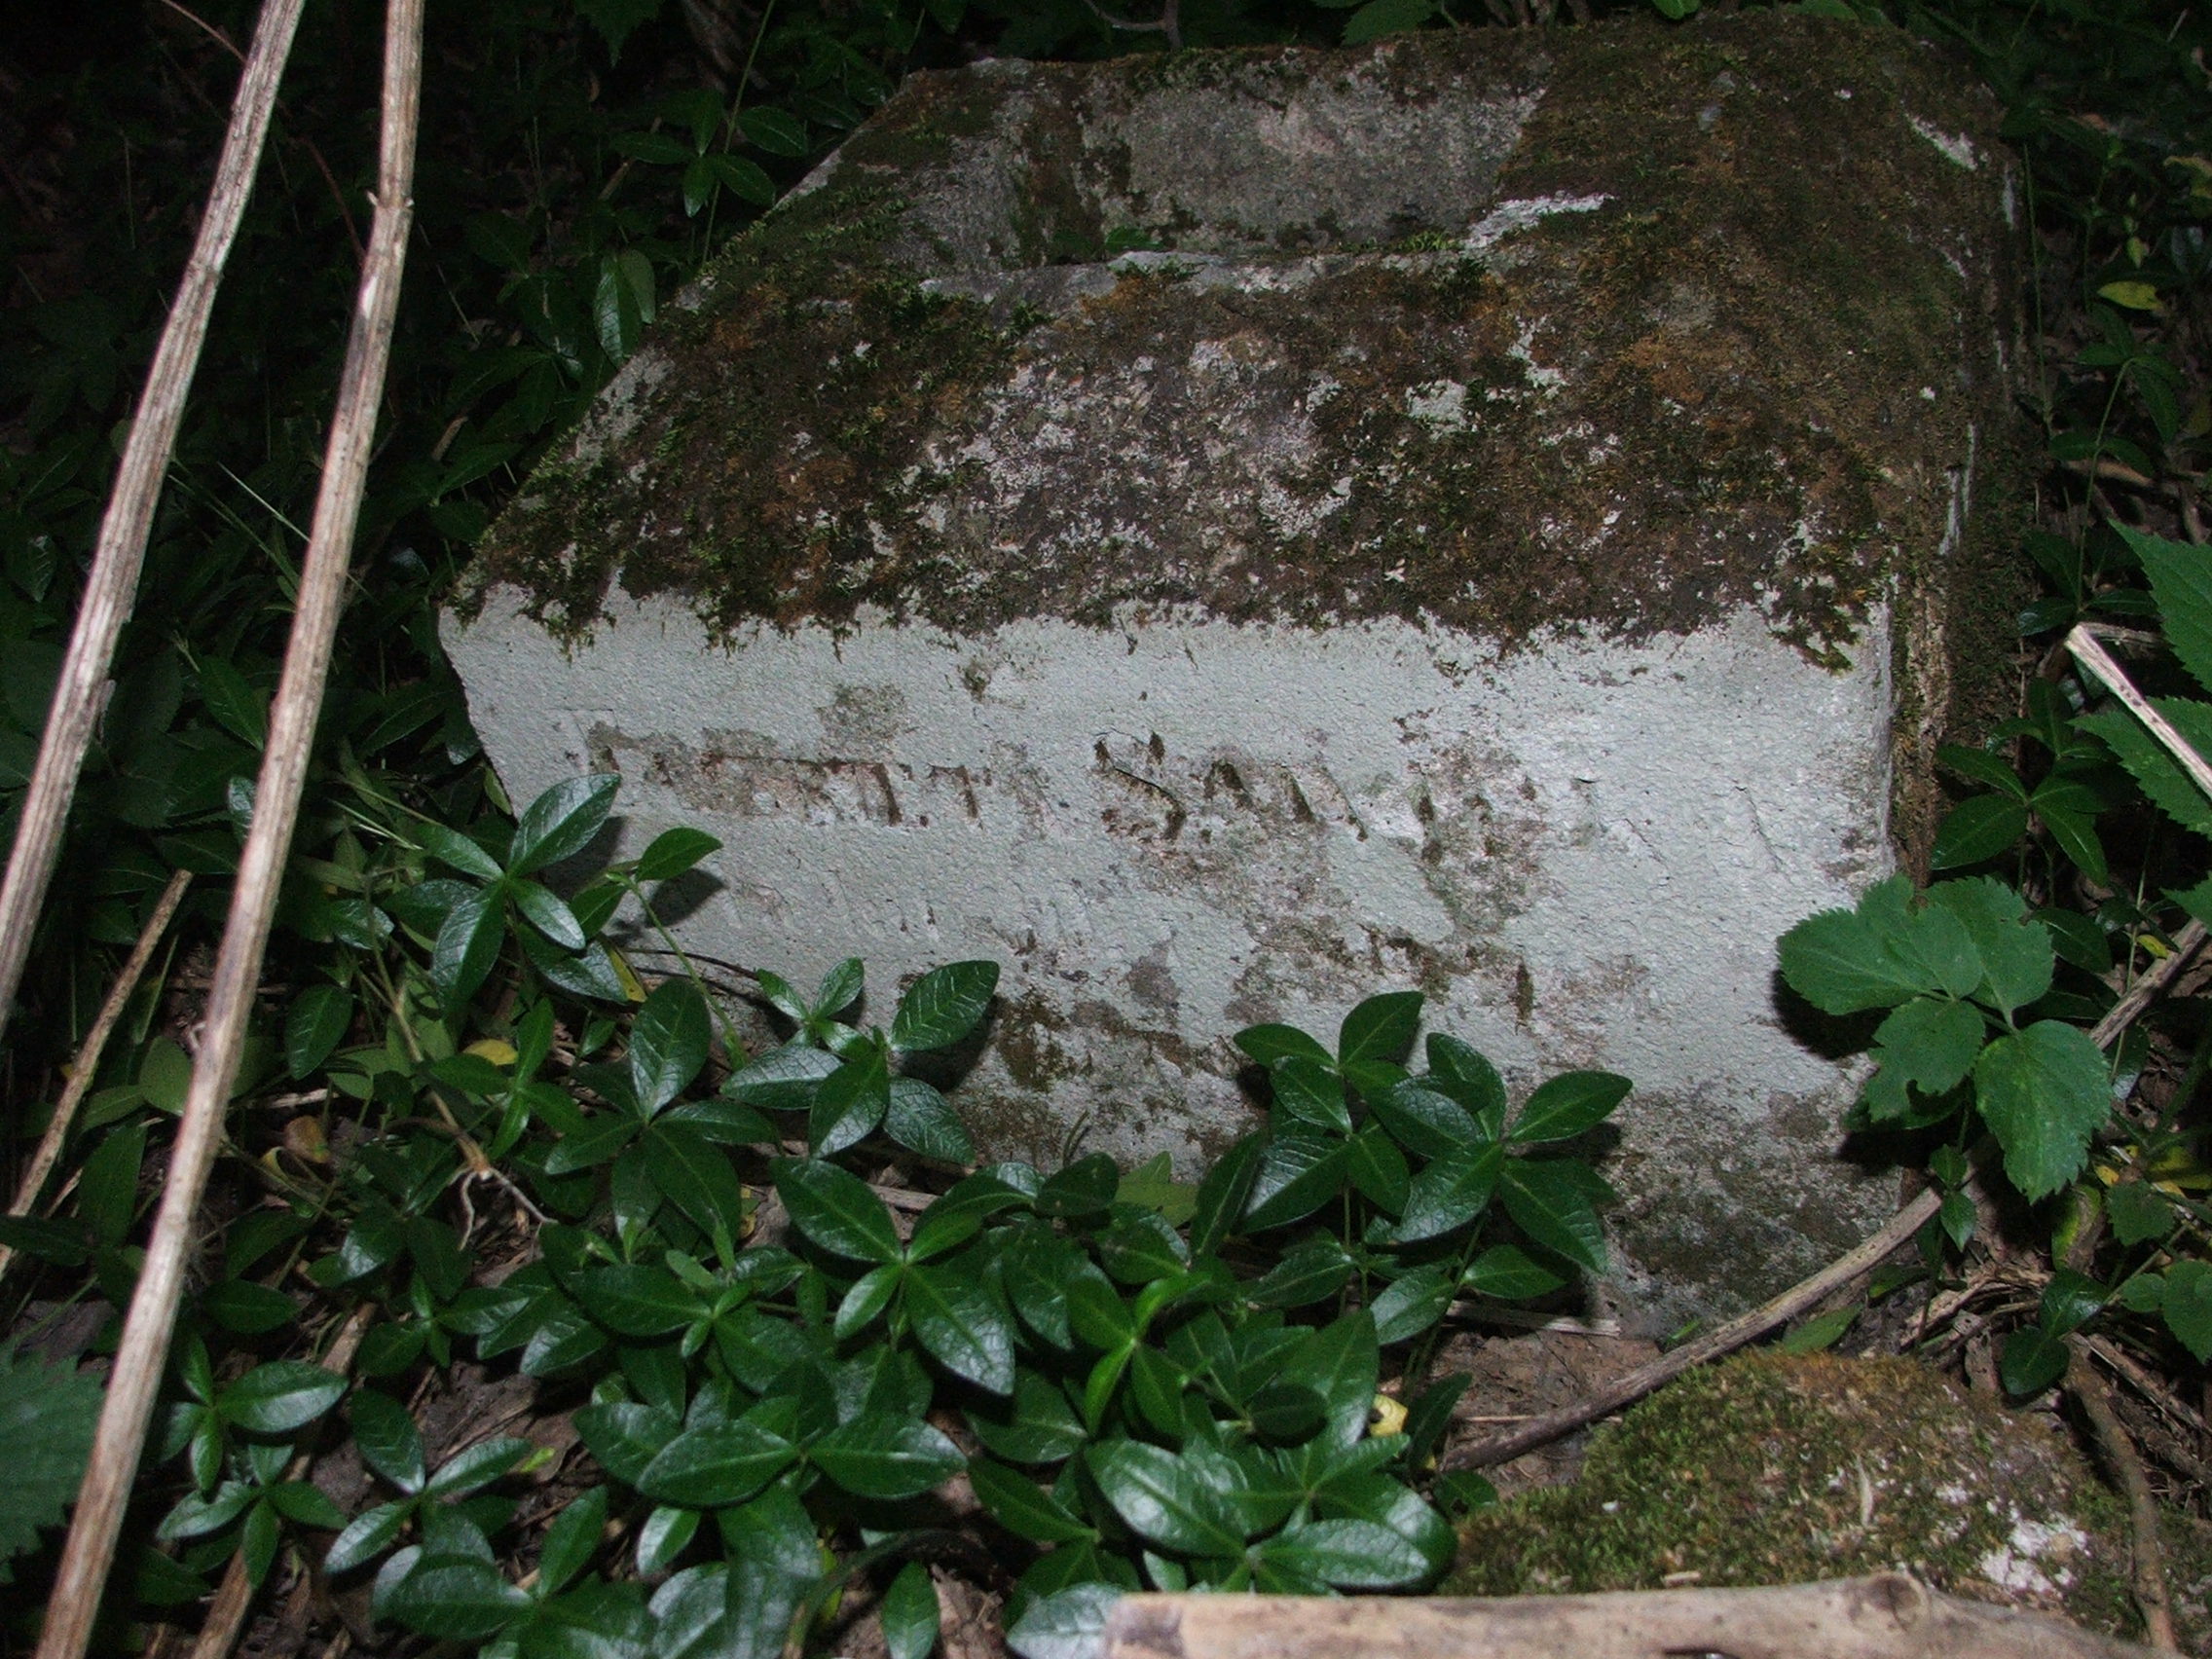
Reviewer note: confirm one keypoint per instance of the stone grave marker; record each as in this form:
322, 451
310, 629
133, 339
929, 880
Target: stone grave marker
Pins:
1504, 513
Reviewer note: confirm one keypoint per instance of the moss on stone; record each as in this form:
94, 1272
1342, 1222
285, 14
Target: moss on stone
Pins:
1779, 1469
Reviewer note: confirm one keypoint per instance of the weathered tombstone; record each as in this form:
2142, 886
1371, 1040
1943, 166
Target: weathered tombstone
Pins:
1227, 534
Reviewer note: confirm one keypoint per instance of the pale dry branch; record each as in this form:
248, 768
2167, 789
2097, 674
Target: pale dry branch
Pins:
2148, 1554
80, 692
138, 1362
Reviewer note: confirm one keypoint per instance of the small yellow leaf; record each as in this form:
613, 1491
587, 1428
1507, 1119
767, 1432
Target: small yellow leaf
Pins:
630, 986
2135, 296
1387, 1417
497, 1051
2197, 164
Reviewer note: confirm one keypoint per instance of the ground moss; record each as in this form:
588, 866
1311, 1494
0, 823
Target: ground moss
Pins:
1779, 1469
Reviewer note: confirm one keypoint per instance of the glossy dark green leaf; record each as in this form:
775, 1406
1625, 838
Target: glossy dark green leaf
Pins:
388, 1440
452, 847
474, 1468
1340, 1363
851, 1101
1380, 1028
2188, 1306
726, 1123
923, 1121
1085, 1188
910, 1614
1431, 1415
957, 1215
1464, 1075
1412, 1303
884, 1456
1309, 1093
674, 851
560, 823
783, 1079
451, 1598
317, 1023
835, 1209
1569, 1105
1451, 1193
1066, 1624
1037, 1425
1285, 1412
1139, 1246
2070, 1301
1270, 1044
717, 1465
546, 911
963, 1324
1096, 1309
696, 1175
247, 1307
1161, 1498
1306, 1274
572, 1539
1349, 1555
1299, 1172
467, 945
1554, 1201
1378, 1169
280, 1397
781, 135
596, 1143
2030, 1361
668, 1043
634, 1300
625, 1436
1426, 1122
1022, 1507
1224, 1192
943, 1005
368, 1535
1510, 1273
1038, 1268
870, 1294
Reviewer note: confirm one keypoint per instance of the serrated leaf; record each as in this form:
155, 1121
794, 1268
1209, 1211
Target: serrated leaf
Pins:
2139, 1213
2188, 1306
2044, 1092
2147, 760
943, 1005
1932, 1043
48, 1414
1841, 961
2014, 948
1976, 829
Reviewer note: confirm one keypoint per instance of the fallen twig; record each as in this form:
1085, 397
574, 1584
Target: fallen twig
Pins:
90, 1051
2150, 1556
1635, 1384
81, 691
138, 1362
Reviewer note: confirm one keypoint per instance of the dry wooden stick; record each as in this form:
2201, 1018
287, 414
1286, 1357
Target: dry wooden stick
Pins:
1889, 1615
81, 691
2149, 1554
2101, 666
138, 1360
90, 1051
1633, 1385
225, 1614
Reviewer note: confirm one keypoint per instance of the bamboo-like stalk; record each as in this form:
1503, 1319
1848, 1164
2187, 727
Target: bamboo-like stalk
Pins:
90, 1051
79, 693
139, 1358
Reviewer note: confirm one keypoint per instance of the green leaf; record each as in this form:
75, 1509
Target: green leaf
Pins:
783, 1079
248, 1308
696, 1175
1430, 1415
1842, 961
909, 1613
1223, 1194
779, 134
835, 1209
2031, 1360
304, 1504
1067, 1624
1040, 1427
453, 1598
1022, 1507
851, 1102
107, 1186
1162, 1500
2014, 948
943, 1005
2139, 1213
626, 1436
743, 178
962, 1324
2188, 1305
668, 1043
1349, 1555
571, 1541
1978, 828
548, 914
240, 709
1378, 1168
2070, 1301
1930, 1042
451, 847
923, 1121
469, 944
1309, 1093
1554, 1201
318, 1020
280, 1397
1085, 1188
1569, 1105
1306, 1274
2147, 760
870, 1294
1820, 1332
634, 1300
1428, 1124
1450, 1193
1300, 1171
717, 1465
477, 1466
48, 1414
1380, 18
1380, 1028
1340, 1363
2181, 581
1096, 1311
560, 823
2044, 1092
1271, 1043
880, 1456
1510, 1273
672, 852
388, 1440
366, 1537
1463, 1074
1411, 1304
